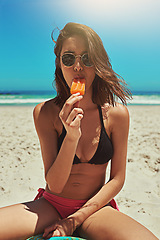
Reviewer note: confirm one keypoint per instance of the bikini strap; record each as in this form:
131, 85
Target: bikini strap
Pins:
100, 115
40, 193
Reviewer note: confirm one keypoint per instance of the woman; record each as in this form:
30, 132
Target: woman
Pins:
78, 136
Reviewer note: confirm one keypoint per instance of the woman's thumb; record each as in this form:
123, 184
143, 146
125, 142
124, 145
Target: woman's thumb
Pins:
56, 233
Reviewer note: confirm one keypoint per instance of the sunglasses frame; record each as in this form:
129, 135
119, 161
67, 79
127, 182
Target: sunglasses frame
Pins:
76, 56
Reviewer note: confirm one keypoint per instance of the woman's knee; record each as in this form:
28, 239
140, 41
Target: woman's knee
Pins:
108, 223
96, 226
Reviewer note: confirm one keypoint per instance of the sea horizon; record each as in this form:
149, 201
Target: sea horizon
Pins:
33, 97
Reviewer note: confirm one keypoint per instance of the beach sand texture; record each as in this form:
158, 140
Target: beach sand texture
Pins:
21, 167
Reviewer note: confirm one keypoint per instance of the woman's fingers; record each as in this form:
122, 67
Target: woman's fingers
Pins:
48, 236
56, 233
48, 230
61, 228
69, 105
76, 121
74, 113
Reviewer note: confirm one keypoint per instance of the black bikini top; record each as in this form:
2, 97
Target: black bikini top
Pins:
104, 150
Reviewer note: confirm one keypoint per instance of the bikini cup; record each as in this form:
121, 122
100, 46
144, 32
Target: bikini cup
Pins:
104, 150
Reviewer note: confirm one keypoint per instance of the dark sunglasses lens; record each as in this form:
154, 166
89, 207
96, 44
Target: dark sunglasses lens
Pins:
86, 61
68, 59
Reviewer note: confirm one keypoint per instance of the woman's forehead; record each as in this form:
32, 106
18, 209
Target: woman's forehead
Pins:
75, 44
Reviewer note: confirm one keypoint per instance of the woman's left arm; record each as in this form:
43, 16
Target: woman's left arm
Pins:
119, 127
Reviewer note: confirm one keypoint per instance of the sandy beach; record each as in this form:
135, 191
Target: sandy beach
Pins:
21, 168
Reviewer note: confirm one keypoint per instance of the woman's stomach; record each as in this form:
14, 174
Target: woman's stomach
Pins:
84, 182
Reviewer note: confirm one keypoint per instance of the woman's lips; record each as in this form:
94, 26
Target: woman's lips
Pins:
78, 77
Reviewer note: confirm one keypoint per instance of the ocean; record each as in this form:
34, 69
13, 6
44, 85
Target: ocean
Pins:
35, 97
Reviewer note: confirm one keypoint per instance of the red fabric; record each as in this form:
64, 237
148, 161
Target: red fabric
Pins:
114, 204
40, 193
65, 206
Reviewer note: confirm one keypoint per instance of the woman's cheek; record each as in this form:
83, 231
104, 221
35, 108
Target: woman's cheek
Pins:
67, 76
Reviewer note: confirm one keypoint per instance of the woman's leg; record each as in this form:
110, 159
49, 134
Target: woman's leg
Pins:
109, 224
24, 220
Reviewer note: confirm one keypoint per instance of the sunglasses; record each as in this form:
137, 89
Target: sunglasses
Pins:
68, 59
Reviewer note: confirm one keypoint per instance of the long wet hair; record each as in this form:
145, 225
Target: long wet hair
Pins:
107, 84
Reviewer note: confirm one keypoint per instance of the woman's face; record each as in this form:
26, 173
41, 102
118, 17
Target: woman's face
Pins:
77, 46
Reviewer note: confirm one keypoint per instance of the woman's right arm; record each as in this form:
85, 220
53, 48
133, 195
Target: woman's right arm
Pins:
58, 165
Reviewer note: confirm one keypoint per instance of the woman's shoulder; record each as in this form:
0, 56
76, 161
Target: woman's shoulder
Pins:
116, 114
46, 111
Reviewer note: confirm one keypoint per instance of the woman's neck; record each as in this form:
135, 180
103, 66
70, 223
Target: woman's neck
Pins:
86, 103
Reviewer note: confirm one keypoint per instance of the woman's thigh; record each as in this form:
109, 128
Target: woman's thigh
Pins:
23, 220
110, 224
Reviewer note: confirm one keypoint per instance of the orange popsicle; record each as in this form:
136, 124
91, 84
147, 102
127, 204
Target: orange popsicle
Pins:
78, 85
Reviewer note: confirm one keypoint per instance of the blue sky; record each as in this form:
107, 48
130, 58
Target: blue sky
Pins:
129, 30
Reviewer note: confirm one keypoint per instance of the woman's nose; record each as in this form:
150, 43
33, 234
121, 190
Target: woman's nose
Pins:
78, 65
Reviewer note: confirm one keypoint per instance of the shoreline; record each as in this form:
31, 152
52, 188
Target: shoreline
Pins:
21, 167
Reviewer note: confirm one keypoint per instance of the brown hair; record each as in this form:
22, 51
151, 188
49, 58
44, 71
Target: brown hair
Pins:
107, 84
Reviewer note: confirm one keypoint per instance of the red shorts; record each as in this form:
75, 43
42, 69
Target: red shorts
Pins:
65, 206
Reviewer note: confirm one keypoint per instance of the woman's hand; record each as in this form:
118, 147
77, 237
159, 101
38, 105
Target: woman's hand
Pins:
64, 227
71, 116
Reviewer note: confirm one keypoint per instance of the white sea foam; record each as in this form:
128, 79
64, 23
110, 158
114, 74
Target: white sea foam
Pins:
145, 100
35, 99
22, 99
